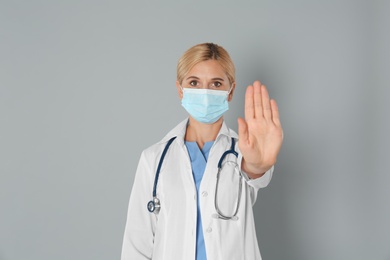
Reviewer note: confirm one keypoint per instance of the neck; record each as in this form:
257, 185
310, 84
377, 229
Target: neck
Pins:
202, 133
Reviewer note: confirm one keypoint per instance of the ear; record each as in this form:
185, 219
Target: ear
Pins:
179, 90
230, 97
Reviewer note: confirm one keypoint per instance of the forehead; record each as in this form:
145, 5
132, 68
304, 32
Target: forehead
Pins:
207, 69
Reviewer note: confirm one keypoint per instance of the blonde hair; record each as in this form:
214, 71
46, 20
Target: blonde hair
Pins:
204, 52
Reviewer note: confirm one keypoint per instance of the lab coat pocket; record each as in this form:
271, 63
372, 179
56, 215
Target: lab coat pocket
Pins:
229, 238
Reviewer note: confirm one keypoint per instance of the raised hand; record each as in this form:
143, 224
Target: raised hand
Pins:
260, 134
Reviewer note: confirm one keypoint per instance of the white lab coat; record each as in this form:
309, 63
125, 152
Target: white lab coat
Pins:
171, 234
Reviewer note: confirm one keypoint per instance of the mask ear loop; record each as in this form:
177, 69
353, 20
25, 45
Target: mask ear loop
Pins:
230, 89
182, 90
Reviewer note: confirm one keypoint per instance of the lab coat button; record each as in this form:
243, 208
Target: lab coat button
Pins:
208, 230
204, 194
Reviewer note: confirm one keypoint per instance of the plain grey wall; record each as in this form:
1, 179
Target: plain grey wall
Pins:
85, 86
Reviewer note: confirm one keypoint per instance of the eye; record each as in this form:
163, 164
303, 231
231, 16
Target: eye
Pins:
193, 83
217, 84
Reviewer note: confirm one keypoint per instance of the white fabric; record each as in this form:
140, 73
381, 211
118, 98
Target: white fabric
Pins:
171, 234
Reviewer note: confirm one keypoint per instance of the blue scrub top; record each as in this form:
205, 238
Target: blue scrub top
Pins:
198, 163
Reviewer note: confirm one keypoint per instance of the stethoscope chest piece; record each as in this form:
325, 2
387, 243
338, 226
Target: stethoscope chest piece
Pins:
154, 205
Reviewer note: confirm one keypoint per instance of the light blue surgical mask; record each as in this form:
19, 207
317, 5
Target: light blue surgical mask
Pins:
205, 105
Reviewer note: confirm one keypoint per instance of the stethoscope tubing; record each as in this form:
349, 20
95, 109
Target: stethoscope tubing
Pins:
160, 164
220, 214
154, 204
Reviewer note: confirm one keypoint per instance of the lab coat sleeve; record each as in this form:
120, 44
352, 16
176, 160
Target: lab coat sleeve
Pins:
140, 223
257, 183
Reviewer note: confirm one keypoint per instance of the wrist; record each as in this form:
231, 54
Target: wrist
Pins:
254, 170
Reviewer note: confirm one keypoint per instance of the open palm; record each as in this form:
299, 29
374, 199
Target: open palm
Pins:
260, 133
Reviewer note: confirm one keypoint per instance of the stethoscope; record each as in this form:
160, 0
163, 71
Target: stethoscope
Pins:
155, 206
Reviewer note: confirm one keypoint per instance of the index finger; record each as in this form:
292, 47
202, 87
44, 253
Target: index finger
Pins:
249, 106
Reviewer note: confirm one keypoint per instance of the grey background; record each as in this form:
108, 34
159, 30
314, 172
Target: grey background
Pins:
85, 86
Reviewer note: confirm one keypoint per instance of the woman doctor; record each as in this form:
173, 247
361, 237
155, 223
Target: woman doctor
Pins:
200, 204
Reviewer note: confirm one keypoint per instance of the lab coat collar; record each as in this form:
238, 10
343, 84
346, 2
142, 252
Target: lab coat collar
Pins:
180, 130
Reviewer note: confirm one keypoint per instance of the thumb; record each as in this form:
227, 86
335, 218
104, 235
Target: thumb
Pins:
242, 130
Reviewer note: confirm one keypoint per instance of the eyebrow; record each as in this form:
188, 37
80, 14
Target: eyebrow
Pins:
194, 77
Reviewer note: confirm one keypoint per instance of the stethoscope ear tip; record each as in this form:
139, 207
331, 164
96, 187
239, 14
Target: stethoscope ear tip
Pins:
217, 216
